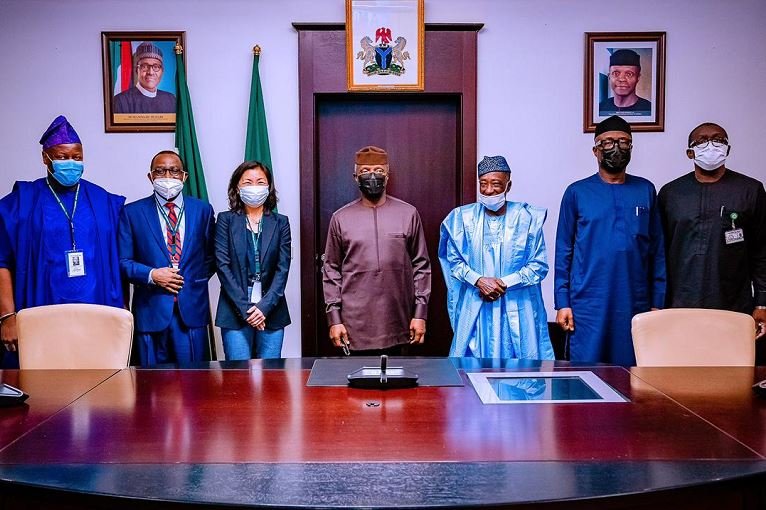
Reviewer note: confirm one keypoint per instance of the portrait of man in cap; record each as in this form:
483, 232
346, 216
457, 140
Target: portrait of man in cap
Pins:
145, 95
624, 77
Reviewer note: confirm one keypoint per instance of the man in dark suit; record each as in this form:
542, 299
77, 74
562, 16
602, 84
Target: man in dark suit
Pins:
167, 253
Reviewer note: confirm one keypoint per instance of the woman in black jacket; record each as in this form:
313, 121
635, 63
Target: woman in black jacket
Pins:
252, 248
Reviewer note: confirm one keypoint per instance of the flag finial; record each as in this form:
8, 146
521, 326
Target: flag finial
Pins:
257, 50
179, 49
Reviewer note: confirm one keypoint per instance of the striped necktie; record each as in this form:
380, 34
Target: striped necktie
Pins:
174, 240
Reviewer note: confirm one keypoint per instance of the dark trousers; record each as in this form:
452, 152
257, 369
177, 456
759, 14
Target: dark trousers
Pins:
175, 344
8, 360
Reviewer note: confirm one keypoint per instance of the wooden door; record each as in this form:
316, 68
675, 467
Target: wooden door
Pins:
430, 138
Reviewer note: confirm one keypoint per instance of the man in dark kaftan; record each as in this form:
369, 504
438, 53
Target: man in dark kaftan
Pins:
715, 233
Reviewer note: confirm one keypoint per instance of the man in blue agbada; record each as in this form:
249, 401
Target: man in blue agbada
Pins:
493, 256
58, 237
610, 257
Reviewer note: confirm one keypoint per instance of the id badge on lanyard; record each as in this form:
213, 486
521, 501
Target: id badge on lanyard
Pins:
75, 259
254, 291
735, 235
75, 263
254, 287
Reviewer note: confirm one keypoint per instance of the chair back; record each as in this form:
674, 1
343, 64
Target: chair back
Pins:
74, 336
693, 337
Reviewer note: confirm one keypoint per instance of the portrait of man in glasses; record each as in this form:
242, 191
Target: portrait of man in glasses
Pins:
624, 76
145, 96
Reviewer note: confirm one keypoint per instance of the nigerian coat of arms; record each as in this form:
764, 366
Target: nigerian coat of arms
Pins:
382, 57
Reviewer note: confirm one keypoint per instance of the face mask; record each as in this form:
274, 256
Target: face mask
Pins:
492, 202
710, 158
254, 196
168, 188
615, 160
372, 184
67, 171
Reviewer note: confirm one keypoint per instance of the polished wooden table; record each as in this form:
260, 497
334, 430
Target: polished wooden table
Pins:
253, 434
53, 390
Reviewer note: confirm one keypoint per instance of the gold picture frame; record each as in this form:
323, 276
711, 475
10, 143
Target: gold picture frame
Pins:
385, 45
127, 107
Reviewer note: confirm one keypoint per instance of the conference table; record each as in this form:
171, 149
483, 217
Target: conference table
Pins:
255, 434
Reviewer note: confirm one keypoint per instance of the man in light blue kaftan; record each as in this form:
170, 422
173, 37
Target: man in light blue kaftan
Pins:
493, 257
610, 258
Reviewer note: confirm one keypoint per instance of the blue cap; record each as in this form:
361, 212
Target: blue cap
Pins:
59, 132
493, 164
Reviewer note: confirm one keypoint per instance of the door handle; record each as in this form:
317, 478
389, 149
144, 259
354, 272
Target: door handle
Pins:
319, 261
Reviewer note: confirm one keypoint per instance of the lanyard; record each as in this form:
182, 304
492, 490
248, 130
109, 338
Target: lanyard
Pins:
256, 237
173, 230
69, 218
168, 223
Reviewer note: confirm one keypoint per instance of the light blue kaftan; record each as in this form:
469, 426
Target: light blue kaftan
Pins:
511, 247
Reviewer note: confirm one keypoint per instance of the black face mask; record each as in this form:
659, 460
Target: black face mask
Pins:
372, 184
615, 160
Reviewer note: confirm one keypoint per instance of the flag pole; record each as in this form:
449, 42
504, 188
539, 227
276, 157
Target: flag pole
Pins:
188, 150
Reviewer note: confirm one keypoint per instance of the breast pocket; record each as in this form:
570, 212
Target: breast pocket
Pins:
393, 253
641, 221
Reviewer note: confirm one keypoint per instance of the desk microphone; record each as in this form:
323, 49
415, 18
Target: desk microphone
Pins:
10, 396
760, 388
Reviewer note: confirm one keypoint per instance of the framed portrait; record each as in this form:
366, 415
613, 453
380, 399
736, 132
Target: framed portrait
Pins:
625, 76
385, 45
139, 72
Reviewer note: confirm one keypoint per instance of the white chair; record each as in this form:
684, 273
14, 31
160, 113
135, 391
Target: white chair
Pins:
693, 337
74, 336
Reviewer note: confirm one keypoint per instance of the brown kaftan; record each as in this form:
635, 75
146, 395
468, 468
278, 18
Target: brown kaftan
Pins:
377, 274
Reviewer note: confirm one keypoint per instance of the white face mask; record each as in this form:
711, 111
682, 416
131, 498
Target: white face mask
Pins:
711, 157
254, 196
168, 188
492, 202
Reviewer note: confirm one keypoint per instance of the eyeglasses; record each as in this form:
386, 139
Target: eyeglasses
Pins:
163, 172
376, 171
718, 143
144, 68
628, 75
607, 144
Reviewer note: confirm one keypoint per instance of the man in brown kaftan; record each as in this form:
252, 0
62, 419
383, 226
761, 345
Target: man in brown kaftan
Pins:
377, 274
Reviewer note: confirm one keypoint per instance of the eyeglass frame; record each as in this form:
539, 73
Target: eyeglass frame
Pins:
619, 142
380, 170
159, 67
717, 143
174, 172
628, 75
